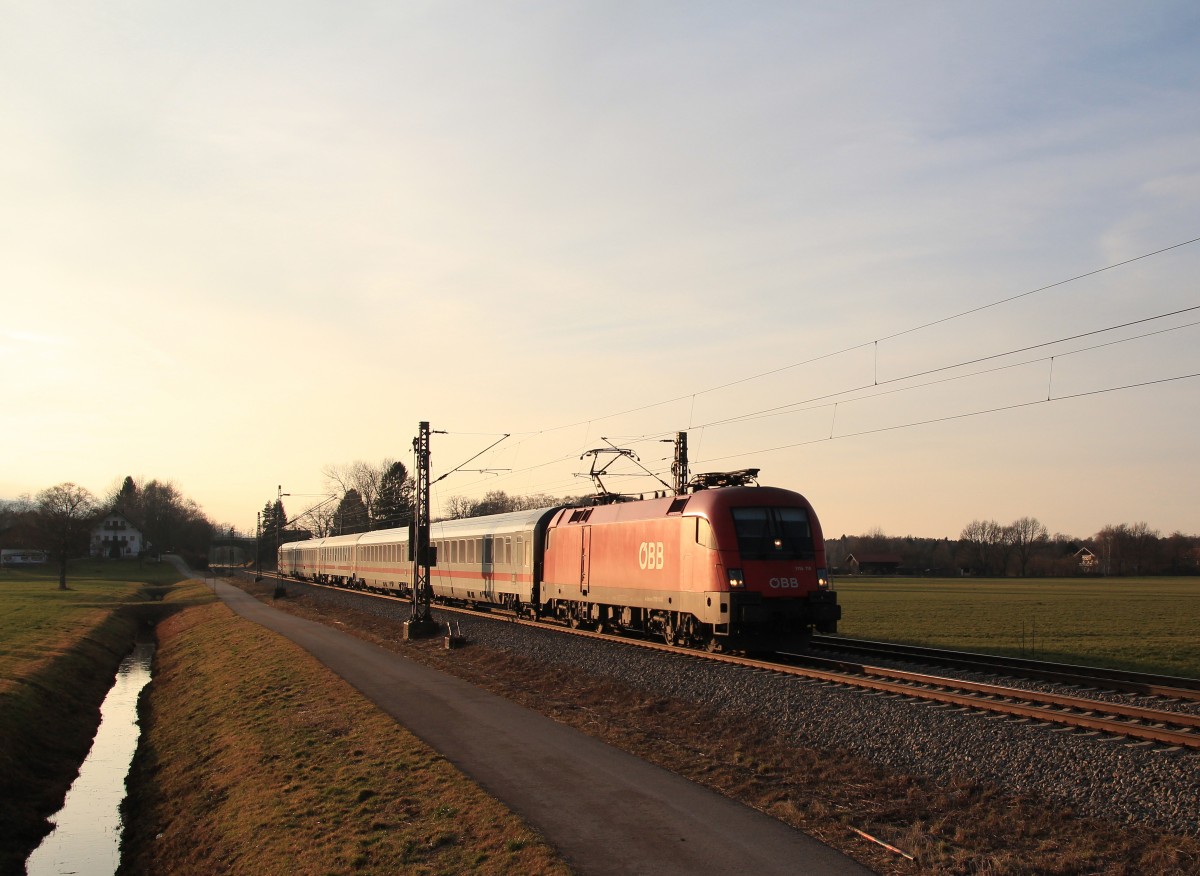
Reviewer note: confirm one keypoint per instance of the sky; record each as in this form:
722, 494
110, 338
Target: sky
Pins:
243, 241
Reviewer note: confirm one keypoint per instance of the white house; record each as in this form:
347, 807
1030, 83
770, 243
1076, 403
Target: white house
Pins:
116, 537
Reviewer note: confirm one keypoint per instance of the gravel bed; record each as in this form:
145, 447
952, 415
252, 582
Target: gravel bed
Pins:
1094, 775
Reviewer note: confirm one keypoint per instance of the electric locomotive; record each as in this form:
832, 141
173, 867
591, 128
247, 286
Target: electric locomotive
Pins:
739, 567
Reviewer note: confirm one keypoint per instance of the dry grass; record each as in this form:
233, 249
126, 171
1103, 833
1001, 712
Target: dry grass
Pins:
963, 828
255, 759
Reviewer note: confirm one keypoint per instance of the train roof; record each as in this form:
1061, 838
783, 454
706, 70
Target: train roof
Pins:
466, 527
702, 503
470, 527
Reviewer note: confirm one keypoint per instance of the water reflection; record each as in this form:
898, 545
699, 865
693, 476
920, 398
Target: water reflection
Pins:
87, 834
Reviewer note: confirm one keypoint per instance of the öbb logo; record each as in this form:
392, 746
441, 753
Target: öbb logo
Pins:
780, 583
650, 555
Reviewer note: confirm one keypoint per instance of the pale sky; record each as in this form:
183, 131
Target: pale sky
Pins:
243, 241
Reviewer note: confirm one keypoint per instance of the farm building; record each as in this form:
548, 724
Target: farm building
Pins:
1089, 563
873, 564
115, 537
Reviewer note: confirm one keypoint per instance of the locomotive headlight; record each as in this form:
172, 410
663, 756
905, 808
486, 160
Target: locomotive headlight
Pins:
737, 581
824, 582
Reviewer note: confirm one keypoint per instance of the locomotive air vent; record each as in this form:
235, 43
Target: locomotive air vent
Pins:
678, 505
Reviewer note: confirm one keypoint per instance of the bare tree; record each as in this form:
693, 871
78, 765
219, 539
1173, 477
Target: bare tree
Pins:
364, 478
984, 545
1024, 537
499, 502
1126, 549
319, 519
458, 507
65, 514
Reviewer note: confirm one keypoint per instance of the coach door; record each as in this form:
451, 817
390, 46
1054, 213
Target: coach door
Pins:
585, 560
489, 567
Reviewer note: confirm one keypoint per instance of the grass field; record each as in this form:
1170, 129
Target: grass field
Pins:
40, 622
1148, 624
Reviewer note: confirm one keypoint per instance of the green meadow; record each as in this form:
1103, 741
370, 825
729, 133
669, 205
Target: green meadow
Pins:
39, 622
1146, 624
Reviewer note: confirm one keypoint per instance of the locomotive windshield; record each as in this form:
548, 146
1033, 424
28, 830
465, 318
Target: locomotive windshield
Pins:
773, 533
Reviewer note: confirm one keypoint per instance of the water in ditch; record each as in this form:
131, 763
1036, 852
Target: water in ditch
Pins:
87, 833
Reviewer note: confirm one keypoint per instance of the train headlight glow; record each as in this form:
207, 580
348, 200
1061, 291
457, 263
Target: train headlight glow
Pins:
824, 582
737, 581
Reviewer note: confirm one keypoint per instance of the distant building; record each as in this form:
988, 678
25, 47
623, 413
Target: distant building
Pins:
22, 557
873, 564
115, 537
1089, 563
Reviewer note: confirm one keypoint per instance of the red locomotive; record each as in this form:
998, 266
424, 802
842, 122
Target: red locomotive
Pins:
737, 567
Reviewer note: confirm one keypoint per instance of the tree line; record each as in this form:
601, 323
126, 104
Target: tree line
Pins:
360, 497
59, 520
363, 496
1026, 548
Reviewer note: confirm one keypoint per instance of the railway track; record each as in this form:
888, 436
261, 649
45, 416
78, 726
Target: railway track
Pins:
1120, 680
1059, 712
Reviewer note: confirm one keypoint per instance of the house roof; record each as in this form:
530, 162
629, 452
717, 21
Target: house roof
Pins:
874, 558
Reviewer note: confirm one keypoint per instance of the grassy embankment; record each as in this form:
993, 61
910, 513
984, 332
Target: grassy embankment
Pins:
59, 651
256, 759
1147, 624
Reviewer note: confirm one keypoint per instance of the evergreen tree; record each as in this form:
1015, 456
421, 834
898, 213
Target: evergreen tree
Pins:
128, 500
351, 515
274, 519
394, 504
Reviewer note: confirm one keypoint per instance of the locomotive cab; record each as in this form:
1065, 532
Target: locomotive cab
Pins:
773, 553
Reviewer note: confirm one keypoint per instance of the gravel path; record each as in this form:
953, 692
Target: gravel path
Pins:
1094, 775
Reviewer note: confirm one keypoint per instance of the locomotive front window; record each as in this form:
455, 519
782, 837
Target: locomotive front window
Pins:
773, 533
